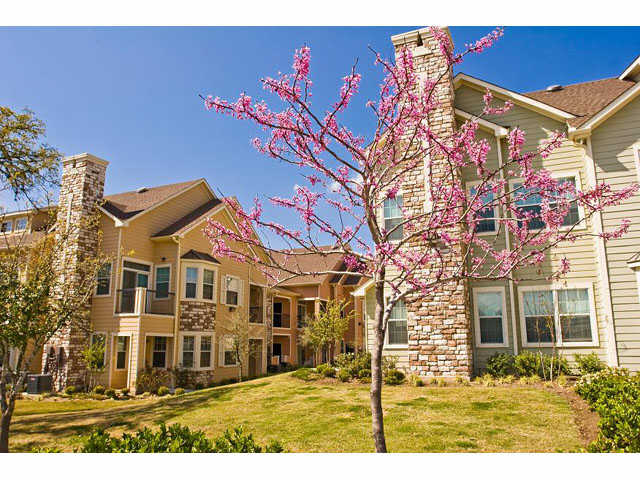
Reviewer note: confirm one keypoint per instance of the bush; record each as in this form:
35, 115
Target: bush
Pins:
442, 382
343, 375
179, 391
364, 373
71, 390
394, 377
162, 391
200, 385
501, 365
329, 372
528, 364
615, 395
416, 381
354, 363
305, 374
588, 364
98, 390
174, 439
111, 393
151, 379
125, 392
388, 364
322, 367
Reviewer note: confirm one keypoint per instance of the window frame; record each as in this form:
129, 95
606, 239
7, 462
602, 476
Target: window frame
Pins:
155, 280
197, 345
476, 317
110, 278
200, 266
223, 350
16, 222
581, 225
240, 291
126, 352
554, 288
212, 284
496, 210
396, 346
384, 219
153, 349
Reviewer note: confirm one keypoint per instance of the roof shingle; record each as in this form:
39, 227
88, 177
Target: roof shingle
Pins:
185, 222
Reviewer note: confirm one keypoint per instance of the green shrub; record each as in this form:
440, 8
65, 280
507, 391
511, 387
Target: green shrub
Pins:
416, 381
388, 364
530, 363
343, 375
162, 391
151, 379
588, 364
71, 390
46, 450
364, 373
111, 393
442, 382
322, 367
329, 372
200, 385
173, 439
615, 395
98, 390
501, 365
394, 377
305, 374
179, 391
354, 363
125, 392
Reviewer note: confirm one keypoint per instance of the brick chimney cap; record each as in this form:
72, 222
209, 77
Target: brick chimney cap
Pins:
412, 35
85, 156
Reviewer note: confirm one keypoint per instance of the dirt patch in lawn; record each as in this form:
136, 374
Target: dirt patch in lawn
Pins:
585, 418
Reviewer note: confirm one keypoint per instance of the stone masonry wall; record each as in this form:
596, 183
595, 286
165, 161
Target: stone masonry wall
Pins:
81, 189
197, 316
438, 324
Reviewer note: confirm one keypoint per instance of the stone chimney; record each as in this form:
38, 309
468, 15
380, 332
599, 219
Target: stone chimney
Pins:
81, 190
439, 325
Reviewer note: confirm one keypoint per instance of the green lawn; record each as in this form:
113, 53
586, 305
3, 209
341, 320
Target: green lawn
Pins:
325, 417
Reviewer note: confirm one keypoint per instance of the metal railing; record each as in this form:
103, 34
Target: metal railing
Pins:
140, 300
163, 305
126, 300
281, 320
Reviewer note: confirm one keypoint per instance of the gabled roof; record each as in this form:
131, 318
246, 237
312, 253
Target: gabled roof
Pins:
196, 255
184, 223
584, 99
128, 204
308, 263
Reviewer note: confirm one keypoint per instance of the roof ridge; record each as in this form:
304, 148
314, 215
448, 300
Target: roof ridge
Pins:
576, 83
186, 182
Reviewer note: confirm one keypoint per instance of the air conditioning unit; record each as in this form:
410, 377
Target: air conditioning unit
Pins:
39, 383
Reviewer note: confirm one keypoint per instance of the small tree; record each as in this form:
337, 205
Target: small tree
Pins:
239, 333
327, 327
93, 357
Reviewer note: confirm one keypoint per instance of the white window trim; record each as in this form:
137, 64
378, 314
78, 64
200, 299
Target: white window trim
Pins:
222, 363
476, 317
166, 352
595, 340
240, 292
382, 218
200, 266
10, 222
127, 351
582, 225
108, 294
155, 275
636, 151
136, 260
15, 224
104, 334
196, 349
496, 211
395, 346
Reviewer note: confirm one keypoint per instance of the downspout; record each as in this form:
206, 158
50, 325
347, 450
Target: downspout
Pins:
177, 296
507, 237
601, 252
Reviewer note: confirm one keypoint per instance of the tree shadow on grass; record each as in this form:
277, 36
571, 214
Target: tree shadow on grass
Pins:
65, 425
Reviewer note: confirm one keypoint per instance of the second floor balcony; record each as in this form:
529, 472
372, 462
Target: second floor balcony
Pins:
141, 301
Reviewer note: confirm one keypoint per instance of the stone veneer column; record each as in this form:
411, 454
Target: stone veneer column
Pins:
438, 324
81, 189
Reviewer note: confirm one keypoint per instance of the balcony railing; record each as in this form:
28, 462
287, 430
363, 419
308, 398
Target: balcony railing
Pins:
142, 301
281, 320
256, 314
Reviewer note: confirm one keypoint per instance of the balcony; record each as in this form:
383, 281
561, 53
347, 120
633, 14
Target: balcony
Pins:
140, 301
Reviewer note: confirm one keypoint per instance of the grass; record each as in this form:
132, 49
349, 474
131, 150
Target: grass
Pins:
325, 417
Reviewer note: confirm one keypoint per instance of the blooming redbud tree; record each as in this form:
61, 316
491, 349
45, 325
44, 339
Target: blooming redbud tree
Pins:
353, 175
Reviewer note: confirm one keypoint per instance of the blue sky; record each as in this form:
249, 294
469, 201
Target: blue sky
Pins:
129, 95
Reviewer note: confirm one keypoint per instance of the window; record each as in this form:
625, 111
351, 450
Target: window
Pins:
104, 280
490, 321
207, 284
188, 350
192, 282
135, 275
228, 352
6, 227
566, 315
233, 290
397, 327
21, 224
393, 216
205, 351
99, 341
163, 274
122, 346
159, 352
532, 202
488, 225
302, 315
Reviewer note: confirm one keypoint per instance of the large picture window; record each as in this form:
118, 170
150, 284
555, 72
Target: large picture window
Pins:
393, 216
199, 282
196, 350
563, 315
397, 334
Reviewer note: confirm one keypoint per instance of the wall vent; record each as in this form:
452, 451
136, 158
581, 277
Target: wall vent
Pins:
554, 88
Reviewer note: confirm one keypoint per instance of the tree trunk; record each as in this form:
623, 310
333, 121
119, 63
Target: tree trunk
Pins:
377, 420
5, 422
